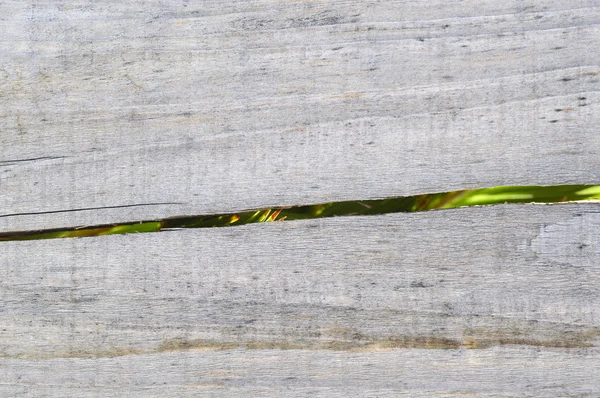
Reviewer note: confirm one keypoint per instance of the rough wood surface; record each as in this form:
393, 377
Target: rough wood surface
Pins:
497, 372
501, 300
140, 110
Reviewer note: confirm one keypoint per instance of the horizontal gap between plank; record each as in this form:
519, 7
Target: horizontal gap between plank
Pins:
407, 204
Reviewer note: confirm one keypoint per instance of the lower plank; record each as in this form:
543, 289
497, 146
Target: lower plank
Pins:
492, 293
509, 371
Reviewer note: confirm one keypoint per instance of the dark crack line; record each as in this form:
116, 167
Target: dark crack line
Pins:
16, 161
88, 209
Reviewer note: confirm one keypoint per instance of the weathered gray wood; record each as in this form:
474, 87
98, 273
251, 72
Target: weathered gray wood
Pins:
157, 109
501, 300
121, 111
497, 372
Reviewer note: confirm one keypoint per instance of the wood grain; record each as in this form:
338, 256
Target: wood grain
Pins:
125, 111
501, 300
118, 111
497, 372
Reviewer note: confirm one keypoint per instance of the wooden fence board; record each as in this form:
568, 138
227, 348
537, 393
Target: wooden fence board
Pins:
500, 300
498, 372
142, 112
125, 111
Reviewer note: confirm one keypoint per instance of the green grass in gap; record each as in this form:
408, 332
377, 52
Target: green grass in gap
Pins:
446, 200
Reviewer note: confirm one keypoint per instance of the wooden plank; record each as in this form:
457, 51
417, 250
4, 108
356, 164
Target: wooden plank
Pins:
498, 372
502, 298
169, 109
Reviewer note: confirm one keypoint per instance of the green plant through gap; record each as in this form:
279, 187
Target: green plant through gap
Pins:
446, 200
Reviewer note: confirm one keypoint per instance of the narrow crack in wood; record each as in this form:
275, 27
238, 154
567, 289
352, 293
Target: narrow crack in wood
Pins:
37, 213
12, 162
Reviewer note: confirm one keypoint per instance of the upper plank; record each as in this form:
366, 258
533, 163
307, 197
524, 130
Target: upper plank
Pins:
113, 112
